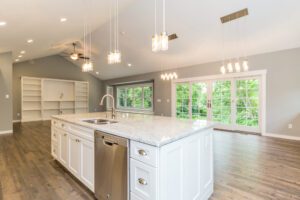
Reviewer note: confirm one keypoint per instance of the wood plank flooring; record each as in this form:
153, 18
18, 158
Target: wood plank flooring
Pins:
247, 167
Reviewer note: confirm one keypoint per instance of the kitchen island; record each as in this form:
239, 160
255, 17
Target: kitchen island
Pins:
168, 158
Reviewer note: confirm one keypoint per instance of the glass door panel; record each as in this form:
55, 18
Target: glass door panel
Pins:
199, 101
182, 100
221, 101
247, 102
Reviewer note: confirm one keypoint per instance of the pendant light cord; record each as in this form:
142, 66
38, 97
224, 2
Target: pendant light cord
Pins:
164, 15
155, 17
110, 26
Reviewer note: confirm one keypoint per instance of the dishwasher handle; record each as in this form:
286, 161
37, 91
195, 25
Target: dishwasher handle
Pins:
109, 143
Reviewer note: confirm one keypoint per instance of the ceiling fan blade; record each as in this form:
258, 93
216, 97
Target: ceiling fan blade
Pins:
172, 36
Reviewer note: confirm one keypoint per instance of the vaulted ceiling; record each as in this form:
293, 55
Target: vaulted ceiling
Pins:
272, 25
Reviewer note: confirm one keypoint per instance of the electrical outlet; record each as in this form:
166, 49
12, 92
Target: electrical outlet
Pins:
290, 126
168, 100
18, 114
158, 100
7, 96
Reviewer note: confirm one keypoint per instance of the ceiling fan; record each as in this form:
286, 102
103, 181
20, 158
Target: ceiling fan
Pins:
75, 55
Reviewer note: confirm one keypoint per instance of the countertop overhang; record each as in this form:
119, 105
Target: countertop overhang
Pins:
149, 129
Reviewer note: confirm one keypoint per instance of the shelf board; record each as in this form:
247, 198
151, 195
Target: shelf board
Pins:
32, 84
67, 108
32, 100
51, 109
31, 95
31, 90
58, 100
33, 109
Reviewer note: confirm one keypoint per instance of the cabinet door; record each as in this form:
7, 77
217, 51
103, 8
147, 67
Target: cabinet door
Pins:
63, 148
74, 155
87, 163
206, 171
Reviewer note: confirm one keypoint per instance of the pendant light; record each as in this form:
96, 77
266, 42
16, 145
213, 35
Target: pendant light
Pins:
87, 65
114, 56
160, 42
237, 64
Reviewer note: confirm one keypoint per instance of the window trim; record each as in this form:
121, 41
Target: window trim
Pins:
133, 109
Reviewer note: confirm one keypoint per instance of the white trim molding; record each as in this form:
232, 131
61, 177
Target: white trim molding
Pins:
6, 132
287, 137
16, 121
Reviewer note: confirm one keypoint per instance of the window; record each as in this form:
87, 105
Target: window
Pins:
137, 97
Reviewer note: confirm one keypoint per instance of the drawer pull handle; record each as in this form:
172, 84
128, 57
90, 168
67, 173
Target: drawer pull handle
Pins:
65, 134
62, 125
142, 152
142, 181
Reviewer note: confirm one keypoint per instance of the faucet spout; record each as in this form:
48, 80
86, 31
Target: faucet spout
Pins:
113, 110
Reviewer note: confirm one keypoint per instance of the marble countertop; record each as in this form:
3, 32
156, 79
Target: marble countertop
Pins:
148, 129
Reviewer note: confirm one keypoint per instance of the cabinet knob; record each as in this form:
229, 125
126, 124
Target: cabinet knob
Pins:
142, 181
62, 125
142, 152
65, 134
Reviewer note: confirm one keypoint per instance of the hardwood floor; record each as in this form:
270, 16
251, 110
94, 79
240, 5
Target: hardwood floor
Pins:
247, 167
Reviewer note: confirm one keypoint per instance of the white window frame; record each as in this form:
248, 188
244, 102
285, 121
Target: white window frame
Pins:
259, 73
132, 109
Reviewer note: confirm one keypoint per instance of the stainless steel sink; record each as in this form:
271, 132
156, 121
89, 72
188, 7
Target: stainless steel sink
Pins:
100, 121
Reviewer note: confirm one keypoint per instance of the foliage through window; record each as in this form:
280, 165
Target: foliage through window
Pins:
135, 97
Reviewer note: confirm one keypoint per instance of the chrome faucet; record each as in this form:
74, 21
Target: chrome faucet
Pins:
113, 110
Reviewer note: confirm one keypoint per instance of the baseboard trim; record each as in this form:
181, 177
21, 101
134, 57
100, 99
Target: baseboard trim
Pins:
16, 121
6, 132
288, 137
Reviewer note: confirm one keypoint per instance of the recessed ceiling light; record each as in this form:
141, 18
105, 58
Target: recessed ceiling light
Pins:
30, 41
17, 60
129, 65
23, 52
2, 23
63, 19
97, 73
20, 56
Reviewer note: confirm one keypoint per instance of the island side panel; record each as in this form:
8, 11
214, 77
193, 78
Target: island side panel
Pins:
186, 168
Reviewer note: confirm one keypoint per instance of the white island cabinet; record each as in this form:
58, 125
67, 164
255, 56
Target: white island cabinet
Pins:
164, 168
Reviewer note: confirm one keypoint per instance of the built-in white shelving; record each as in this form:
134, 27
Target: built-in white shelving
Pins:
43, 97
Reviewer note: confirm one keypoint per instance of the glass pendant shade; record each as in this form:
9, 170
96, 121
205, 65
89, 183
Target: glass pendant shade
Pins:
237, 66
74, 56
164, 40
223, 69
87, 66
155, 43
230, 67
245, 65
114, 57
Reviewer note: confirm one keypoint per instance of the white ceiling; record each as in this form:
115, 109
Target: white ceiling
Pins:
272, 25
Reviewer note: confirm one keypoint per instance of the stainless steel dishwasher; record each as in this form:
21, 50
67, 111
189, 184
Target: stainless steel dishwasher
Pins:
111, 170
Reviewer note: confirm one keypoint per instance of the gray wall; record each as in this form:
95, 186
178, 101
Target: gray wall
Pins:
283, 87
54, 67
6, 105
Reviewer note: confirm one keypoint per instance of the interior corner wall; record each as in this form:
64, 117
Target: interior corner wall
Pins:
55, 67
282, 92
6, 105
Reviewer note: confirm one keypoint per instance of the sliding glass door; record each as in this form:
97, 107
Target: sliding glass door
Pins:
233, 103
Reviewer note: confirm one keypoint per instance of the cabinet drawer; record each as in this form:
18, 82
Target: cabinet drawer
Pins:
143, 180
54, 149
134, 197
60, 124
144, 153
